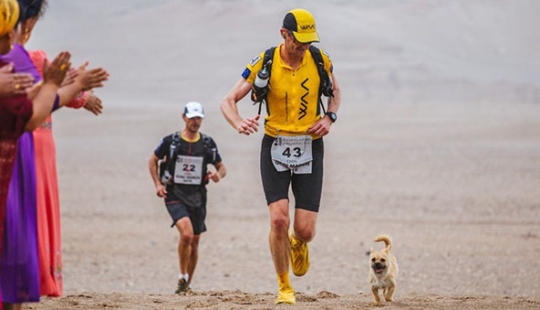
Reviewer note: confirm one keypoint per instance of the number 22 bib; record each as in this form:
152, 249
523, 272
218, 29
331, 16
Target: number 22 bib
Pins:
188, 170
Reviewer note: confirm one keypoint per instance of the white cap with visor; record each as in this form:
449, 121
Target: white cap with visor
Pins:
194, 109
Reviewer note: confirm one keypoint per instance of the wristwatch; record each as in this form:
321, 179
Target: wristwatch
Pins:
332, 115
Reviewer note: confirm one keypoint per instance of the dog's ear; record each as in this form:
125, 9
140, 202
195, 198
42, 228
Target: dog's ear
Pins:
371, 251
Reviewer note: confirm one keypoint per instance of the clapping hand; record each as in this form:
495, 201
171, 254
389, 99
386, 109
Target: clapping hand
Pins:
93, 104
91, 78
55, 72
14, 83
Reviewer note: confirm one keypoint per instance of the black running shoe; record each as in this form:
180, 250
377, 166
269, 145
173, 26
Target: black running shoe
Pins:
182, 287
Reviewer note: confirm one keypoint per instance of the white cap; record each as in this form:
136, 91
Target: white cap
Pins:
194, 109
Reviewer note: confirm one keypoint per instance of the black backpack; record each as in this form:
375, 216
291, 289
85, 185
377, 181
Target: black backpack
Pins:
325, 87
166, 168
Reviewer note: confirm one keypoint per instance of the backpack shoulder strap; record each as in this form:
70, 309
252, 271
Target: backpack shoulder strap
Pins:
174, 144
205, 139
269, 55
325, 86
209, 149
316, 53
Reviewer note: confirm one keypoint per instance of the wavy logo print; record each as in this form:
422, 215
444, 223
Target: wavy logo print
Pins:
304, 104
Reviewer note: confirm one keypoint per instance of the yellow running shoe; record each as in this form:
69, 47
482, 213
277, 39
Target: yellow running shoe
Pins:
299, 256
286, 296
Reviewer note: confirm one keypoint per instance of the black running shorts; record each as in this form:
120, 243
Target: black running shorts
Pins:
178, 210
306, 188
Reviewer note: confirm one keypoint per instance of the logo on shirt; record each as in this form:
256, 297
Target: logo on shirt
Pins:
255, 60
304, 103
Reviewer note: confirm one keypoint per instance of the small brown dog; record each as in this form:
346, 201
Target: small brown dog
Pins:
383, 271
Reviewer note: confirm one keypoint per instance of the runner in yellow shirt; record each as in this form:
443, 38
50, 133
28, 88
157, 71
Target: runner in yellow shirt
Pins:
292, 147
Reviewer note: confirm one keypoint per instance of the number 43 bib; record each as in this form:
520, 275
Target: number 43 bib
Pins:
292, 153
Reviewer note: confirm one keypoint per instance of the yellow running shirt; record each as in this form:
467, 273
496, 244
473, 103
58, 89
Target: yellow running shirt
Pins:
293, 99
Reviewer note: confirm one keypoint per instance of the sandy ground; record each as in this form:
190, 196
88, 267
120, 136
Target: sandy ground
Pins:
437, 144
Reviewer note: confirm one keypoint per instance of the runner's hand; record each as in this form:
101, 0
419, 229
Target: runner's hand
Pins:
161, 191
214, 176
249, 125
321, 127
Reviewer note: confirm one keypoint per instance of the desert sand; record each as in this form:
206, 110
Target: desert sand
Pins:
437, 144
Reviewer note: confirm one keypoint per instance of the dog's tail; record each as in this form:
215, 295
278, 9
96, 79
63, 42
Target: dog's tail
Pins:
387, 241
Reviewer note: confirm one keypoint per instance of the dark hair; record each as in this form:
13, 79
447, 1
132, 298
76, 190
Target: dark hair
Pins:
31, 8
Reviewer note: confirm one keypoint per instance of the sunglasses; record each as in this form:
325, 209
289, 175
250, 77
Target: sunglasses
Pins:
294, 39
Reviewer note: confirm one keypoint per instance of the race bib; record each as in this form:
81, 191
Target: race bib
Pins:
188, 170
292, 153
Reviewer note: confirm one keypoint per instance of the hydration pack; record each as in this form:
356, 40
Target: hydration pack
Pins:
325, 86
166, 168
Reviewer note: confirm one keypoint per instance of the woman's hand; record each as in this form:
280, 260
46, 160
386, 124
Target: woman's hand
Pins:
93, 104
12, 84
55, 72
91, 78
